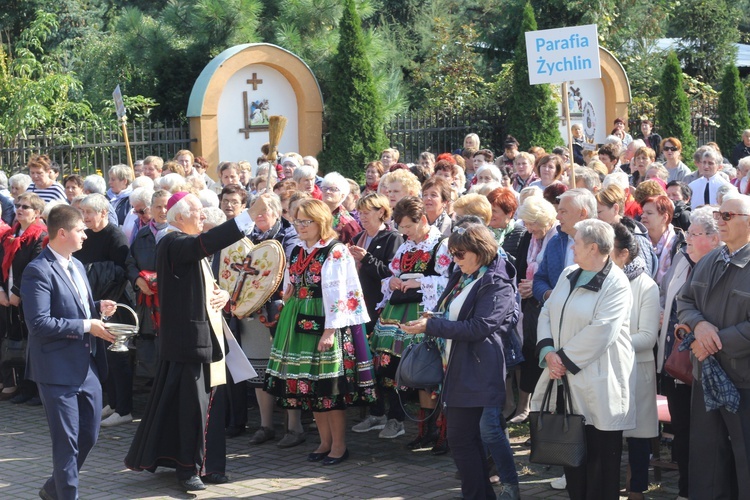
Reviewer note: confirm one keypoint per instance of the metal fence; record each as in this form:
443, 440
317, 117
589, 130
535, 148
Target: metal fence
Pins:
417, 131
703, 116
90, 149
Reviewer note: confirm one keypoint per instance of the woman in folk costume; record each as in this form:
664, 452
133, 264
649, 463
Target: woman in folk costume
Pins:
420, 273
320, 359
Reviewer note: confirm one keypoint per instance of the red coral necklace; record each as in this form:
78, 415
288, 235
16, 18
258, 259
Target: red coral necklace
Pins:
409, 259
303, 261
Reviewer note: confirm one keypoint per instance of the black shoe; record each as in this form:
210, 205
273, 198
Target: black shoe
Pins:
215, 478
193, 483
335, 461
44, 495
317, 457
35, 401
440, 448
235, 431
20, 398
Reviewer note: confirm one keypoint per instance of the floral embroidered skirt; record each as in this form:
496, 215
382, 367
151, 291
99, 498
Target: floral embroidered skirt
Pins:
300, 376
388, 341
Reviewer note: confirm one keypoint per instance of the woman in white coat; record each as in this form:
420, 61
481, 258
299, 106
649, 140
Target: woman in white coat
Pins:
644, 323
584, 333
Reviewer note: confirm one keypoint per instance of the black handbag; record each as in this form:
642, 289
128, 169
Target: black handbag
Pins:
557, 439
410, 296
13, 352
421, 366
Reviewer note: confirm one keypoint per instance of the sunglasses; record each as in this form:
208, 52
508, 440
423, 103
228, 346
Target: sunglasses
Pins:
302, 222
458, 254
670, 148
24, 207
727, 216
142, 211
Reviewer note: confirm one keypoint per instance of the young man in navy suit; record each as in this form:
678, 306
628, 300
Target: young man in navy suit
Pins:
66, 349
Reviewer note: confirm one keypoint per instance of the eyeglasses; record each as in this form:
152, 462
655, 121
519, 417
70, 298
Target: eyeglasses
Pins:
231, 203
302, 222
330, 189
694, 235
727, 216
459, 229
458, 254
24, 207
671, 148
142, 211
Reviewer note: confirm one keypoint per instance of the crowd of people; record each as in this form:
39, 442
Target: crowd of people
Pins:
520, 276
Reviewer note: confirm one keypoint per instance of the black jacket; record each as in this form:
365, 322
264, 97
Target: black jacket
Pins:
513, 246
185, 331
103, 255
374, 268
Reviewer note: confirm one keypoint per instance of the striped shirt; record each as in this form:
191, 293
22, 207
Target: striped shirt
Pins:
54, 192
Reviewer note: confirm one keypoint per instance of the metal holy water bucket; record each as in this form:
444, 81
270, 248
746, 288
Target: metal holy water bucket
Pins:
122, 331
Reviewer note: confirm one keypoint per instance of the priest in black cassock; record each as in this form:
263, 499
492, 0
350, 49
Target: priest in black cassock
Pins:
172, 431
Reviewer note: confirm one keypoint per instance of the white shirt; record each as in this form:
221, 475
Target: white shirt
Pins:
569, 257
699, 187
84, 294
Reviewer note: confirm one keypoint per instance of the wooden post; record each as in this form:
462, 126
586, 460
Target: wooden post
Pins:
569, 133
127, 144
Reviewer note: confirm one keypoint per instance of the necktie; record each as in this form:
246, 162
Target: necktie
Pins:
80, 287
706, 195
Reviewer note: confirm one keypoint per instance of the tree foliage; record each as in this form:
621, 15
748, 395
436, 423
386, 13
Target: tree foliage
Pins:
161, 56
673, 110
353, 115
35, 91
311, 30
733, 113
532, 113
707, 31
450, 77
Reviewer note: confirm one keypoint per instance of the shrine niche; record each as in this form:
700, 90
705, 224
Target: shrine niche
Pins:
239, 90
608, 97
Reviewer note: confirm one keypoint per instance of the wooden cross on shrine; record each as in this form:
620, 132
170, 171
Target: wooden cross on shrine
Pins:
254, 81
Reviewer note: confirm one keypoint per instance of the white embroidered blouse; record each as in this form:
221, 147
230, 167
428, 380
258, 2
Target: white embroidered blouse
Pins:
343, 301
431, 286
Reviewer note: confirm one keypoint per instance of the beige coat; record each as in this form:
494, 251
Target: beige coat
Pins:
644, 324
590, 329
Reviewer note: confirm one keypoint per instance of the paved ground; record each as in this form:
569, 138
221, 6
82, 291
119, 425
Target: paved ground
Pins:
377, 468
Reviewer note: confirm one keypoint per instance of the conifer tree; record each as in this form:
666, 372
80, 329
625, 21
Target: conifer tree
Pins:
354, 113
733, 114
673, 110
532, 113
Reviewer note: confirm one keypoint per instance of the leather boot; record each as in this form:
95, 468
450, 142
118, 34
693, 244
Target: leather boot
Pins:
421, 430
441, 446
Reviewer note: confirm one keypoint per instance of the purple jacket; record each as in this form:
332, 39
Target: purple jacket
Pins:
475, 374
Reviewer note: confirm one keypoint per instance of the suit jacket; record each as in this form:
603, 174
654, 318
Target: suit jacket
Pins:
719, 293
185, 332
552, 265
58, 348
